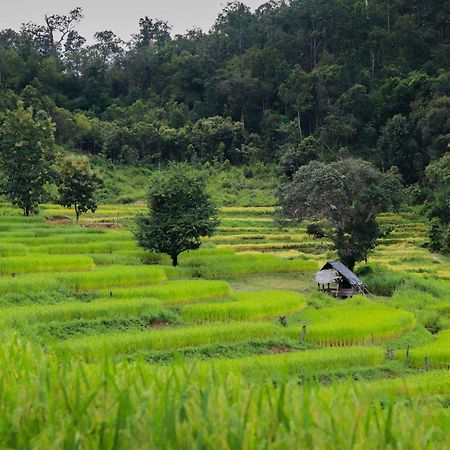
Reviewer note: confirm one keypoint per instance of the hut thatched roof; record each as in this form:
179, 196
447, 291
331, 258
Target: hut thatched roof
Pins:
327, 276
342, 271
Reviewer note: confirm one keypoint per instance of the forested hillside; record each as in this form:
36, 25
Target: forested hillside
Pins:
299, 80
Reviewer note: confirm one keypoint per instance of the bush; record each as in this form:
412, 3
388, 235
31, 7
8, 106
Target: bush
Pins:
315, 230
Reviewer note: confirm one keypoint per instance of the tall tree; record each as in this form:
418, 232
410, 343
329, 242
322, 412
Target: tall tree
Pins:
180, 213
27, 155
397, 147
297, 93
49, 38
348, 193
78, 185
151, 32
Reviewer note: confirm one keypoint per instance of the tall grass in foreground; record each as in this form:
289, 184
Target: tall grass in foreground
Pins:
46, 404
247, 305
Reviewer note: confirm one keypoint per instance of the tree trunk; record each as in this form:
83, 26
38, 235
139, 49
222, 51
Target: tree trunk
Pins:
174, 260
26, 211
77, 213
243, 119
372, 61
299, 120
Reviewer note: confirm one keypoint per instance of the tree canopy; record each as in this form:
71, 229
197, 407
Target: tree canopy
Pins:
78, 185
180, 213
367, 78
348, 193
27, 156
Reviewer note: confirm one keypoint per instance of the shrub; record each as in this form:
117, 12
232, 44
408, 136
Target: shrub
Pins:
316, 230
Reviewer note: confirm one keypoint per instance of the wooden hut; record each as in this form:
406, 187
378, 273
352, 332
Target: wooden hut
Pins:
338, 280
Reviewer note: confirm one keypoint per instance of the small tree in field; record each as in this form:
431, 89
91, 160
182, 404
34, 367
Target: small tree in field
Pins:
78, 185
180, 213
26, 156
349, 194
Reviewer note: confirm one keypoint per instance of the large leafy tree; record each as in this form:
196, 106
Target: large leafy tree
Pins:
297, 92
50, 38
397, 147
78, 185
349, 194
438, 181
26, 155
180, 213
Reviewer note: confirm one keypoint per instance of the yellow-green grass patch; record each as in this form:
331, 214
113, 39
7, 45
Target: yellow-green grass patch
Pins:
288, 364
176, 292
105, 309
437, 353
355, 324
100, 278
168, 338
33, 264
255, 305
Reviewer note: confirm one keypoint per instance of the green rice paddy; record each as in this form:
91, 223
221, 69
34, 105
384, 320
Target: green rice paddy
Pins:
103, 343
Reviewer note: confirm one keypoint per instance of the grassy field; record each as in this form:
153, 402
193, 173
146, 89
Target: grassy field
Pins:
106, 346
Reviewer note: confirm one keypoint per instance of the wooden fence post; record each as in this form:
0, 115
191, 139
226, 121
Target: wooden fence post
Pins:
302, 338
390, 353
427, 363
407, 355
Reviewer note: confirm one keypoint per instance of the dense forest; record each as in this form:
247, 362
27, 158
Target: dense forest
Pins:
365, 77
293, 82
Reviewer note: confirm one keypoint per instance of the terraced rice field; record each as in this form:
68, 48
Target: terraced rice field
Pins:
101, 326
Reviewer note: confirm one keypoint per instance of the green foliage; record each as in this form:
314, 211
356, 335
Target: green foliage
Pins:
180, 213
397, 147
316, 230
381, 281
26, 153
189, 406
299, 155
252, 89
438, 180
349, 193
436, 235
131, 325
77, 185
